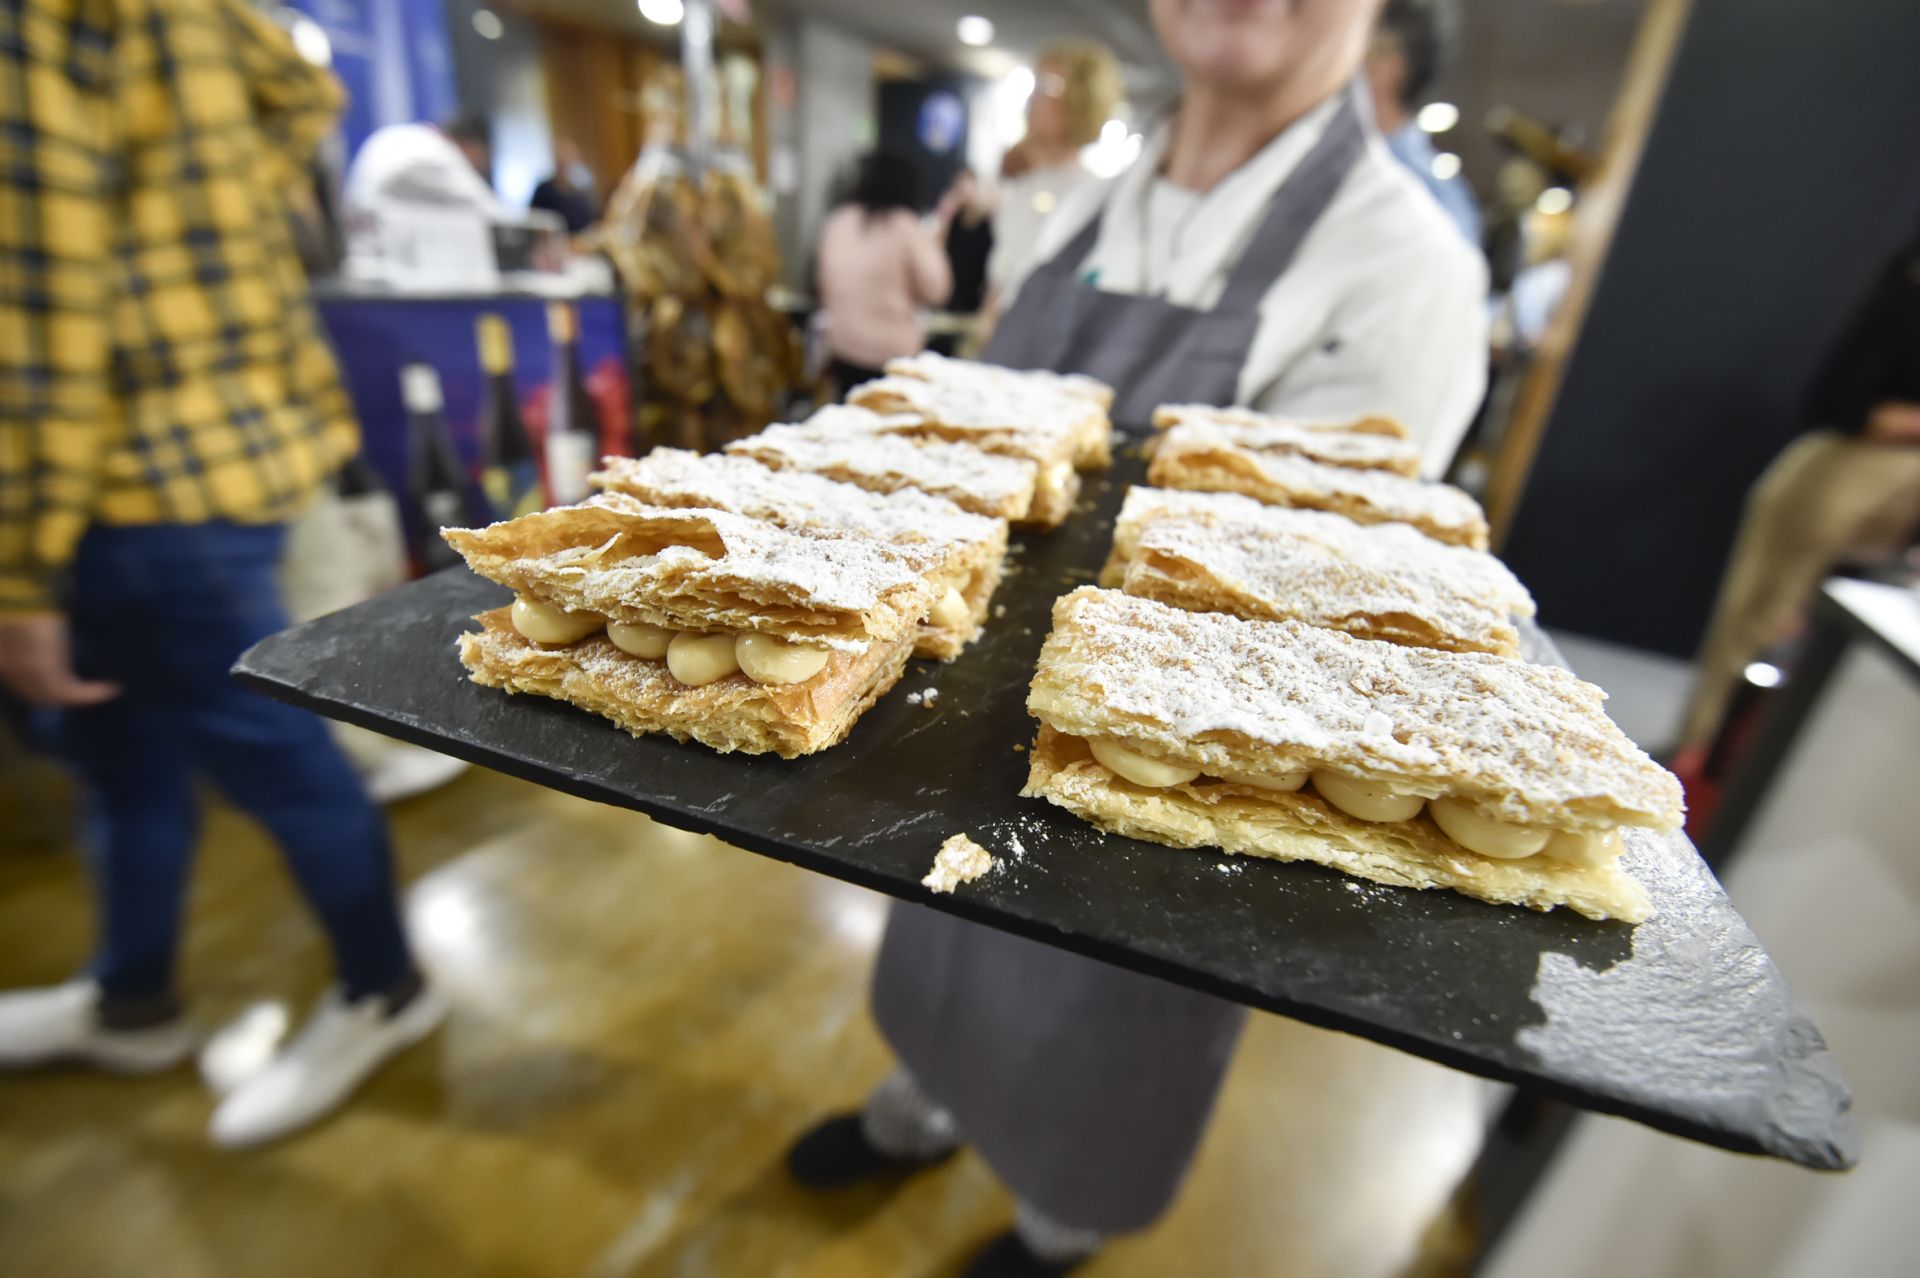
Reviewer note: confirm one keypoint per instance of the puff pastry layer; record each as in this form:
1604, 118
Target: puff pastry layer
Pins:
734, 713
1045, 426
1219, 552
1223, 438
1211, 813
672, 477
858, 447
1174, 414
711, 570
1518, 742
1095, 451
1205, 462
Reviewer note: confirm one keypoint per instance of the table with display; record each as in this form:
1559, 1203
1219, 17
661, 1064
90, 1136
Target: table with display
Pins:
1682, 1022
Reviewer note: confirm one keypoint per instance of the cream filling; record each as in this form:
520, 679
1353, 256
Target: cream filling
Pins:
1137, 767
951, 612
638, 639
698, 660
771, 659
692, 658
1368, 800
1052, 480
546, 624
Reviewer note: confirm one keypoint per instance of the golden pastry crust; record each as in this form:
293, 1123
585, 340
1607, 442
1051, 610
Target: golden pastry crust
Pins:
1218, 552
1371, 424
852, 445
1519, 742
734, 713
710, 570
1046, 428
1206, 464
1235, 447
1211, 813
1095, 448
672, 477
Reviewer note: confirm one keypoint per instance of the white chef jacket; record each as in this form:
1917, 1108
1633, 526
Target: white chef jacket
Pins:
1382, 311
1022, 207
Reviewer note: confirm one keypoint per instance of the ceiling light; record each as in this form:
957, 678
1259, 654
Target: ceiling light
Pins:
1446, 166
1438, 117
974, 30
1553, 200
663, 13
487, 24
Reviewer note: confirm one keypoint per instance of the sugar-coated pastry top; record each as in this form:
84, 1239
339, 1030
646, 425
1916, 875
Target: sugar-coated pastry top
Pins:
990, 404
843, 439
1523, 742
1332, 447
931, 366
676, 477
1174, 414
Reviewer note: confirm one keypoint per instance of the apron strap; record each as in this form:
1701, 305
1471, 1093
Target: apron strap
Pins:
1297, 206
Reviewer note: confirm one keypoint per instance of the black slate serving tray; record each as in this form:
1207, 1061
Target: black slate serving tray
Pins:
1682, 1023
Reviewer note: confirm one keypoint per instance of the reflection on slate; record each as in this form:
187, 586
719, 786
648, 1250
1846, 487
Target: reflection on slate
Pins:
1683, 1023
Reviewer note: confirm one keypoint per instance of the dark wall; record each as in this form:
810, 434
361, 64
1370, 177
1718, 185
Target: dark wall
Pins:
1783, 167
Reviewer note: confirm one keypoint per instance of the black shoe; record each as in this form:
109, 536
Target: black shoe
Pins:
1009, 1257
837, 1154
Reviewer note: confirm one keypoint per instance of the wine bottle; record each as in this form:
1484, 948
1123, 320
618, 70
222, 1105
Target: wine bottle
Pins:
509, 474
436, 481
573, 424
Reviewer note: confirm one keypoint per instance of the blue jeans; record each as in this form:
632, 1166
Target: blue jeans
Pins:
163, 610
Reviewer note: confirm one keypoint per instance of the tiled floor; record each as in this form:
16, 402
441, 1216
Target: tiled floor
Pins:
643, 1020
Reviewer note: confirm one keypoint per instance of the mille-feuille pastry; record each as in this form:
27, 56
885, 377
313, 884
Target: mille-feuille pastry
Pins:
675, 477
1224, 441
1203, 462
1366, 424
1220, 552
865, 449
701, 624
1052, 427
1500, 779
971, 390
931, 366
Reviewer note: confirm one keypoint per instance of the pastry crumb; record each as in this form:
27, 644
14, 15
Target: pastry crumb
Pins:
959, 860
1018, 748
930, 696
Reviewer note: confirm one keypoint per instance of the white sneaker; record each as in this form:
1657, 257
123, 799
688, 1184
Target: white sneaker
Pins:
60, 1025
341, 1045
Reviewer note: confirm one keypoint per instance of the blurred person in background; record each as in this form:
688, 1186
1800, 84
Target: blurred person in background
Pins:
879, 266
1413, 43
1266, 249
968, 209
166, 404
570, 191
1847, 490
436, 166
1076, 87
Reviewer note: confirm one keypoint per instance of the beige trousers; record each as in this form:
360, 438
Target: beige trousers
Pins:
1828, 497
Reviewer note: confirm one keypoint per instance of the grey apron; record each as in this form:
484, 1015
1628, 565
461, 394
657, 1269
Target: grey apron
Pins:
1084, 1086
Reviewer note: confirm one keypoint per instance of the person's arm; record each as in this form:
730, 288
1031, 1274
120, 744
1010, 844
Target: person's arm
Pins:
931, 277
1853, 376
295, 102
55, 411
1413, 351
1894, 421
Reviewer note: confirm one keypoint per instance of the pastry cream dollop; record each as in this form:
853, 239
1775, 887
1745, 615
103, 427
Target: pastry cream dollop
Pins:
771, 659
951, 612
1367, 800
698, 660
546, 624
637, 638
1138, 768
1486, 835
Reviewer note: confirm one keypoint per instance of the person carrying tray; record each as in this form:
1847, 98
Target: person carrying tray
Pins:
1265, 250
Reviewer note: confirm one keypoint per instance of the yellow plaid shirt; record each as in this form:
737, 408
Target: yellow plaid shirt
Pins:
159, 359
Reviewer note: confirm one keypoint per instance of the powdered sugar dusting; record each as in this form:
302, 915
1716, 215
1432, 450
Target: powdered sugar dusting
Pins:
1049, 421
1373, 495
1327, 570
676, 477
931, 366
959, 860
866, 448
1277, 435
1525, 740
